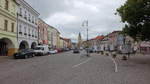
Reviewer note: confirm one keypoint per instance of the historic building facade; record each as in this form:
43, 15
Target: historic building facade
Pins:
42, 32
65, 43
8, 25
27, 25
55, 38
49, 37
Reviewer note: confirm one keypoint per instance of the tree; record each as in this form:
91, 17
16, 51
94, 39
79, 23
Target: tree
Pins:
136, 15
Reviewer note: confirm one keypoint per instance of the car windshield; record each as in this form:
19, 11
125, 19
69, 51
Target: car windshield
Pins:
39, 48
51, 49
24, 50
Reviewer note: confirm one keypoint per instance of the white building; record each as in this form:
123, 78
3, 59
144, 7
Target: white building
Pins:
27, 25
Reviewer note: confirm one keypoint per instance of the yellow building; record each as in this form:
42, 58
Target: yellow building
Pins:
58, 39
8, 27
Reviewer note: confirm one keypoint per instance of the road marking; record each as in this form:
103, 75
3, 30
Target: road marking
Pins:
81, 63
115, 63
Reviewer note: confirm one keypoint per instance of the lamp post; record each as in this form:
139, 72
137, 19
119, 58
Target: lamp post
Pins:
85, 24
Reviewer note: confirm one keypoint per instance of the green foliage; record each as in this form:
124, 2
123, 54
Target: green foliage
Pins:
136, 15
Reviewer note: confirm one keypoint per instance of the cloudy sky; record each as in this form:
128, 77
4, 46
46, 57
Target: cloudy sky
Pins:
67, 16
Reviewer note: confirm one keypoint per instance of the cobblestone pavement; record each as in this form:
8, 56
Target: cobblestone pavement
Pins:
69, 68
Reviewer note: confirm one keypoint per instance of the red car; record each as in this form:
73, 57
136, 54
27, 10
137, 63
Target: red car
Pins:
59, 50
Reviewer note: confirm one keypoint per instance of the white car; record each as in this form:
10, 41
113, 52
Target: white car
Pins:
41, 50
52, 51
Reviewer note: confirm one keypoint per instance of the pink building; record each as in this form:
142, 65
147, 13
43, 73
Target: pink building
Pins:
42, 32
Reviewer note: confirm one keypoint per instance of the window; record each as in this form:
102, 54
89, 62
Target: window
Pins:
32, 33
25, 29
0, 3
20, 11
25, 15
12, 27
35, 34
20, 32
6, 4
29, 32
32, 19
29, 17
6, 25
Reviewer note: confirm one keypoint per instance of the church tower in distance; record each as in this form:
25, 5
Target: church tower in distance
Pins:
79, 41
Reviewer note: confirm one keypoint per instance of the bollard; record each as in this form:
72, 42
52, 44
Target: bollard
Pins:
102, 53
107, 54
114, 55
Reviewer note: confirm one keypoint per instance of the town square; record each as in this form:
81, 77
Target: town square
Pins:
74, 42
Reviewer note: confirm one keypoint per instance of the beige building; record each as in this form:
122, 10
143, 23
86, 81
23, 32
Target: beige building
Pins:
8, 27
53, 37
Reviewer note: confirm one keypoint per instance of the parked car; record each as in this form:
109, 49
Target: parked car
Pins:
76, 50
41, 50
52, 51
65, 49
91, 50
24, 54
59, 50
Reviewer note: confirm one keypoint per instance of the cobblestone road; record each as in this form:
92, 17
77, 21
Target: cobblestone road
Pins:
68, 68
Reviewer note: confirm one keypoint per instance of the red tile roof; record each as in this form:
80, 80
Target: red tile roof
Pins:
65, 39
98, 38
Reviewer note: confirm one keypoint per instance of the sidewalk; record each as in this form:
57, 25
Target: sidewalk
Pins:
135, 59
5, 58
137, 64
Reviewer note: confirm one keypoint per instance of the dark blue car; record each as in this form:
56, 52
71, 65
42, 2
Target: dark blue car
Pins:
24, 54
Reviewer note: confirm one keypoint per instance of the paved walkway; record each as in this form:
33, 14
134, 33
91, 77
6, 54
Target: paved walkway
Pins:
69, 68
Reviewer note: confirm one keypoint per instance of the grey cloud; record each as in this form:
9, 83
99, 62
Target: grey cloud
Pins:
67, 15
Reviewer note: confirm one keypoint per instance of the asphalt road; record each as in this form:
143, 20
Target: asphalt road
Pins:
69, 68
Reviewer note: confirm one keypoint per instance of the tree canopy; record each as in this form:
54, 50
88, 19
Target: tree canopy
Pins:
136, 16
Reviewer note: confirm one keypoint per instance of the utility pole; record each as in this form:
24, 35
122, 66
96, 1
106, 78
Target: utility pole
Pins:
86, 24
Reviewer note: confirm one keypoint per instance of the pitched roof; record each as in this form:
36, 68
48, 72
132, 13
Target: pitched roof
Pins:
98, 38
65, 39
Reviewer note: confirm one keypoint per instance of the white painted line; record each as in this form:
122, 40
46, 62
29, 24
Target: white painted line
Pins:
116, 66
81, 63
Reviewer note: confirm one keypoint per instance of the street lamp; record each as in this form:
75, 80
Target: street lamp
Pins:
85, 24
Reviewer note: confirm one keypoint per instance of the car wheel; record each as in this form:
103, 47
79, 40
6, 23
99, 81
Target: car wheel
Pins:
42, 54
26, 56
